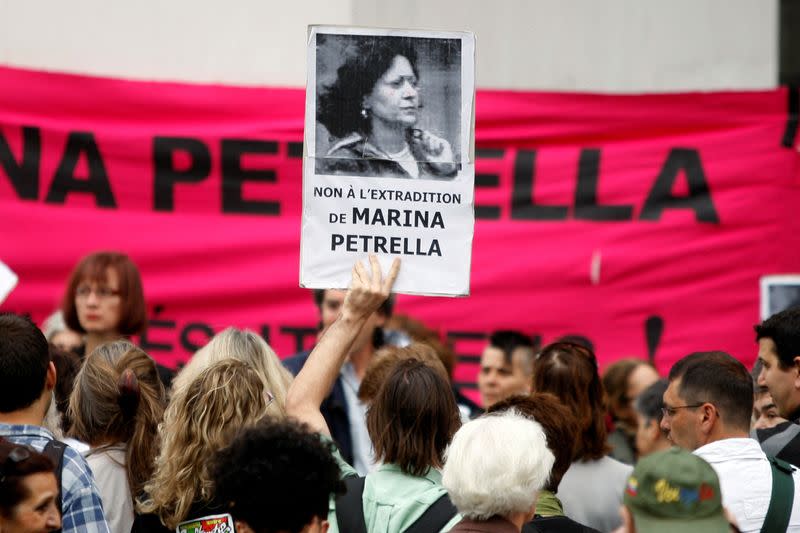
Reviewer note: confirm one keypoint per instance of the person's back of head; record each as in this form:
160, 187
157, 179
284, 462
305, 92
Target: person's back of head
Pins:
67, 365
24, 362
674, 490
276, 477
413, 417
496, 466
387, 358
718, 379
649, 407
118, 398
559, 425
569, 371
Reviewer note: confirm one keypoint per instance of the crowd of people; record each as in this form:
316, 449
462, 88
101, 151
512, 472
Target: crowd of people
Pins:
366, 432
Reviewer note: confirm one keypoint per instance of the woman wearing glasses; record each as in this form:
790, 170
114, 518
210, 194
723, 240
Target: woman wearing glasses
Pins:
28, 491
591, 490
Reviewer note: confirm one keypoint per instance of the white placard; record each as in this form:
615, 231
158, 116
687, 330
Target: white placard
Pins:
388, 166
8, 280
779, 292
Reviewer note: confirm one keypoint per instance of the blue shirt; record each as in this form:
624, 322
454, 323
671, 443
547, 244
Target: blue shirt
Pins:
81, 510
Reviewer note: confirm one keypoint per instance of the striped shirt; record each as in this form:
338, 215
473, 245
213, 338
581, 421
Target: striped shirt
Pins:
81, 510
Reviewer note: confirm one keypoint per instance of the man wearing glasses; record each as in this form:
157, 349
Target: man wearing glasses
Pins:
707, 410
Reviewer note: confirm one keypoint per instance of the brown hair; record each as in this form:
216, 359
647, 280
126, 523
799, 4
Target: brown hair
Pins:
118, 398
559, 424
419, 332
569, 371
413, 417
67, 366
615, 383
12, 489
94, 268
384, 362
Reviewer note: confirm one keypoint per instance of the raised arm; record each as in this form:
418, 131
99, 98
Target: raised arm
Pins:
368, 290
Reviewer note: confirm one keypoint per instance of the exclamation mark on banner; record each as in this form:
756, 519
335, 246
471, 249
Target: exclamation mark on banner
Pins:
653, 328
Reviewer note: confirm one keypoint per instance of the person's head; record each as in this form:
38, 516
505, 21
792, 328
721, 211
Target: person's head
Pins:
416, 331
200, 420
56, 332
67, 365
329, 303
413, 417
118, 398
649, 404
558, 422
674, 490
709, 397
28, 491
26, 373
778, 340
765, 412
104, 296
246, 346
277, 477
506, 366
386, 359
623, 381
496, 466
376, 82
569, 371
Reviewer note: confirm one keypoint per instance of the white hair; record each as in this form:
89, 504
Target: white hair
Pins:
53, 324
248, 347
496, 465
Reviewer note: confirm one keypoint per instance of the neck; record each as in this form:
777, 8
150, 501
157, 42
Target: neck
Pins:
93, 340
33, 415
518, 519
389, 138
727, 433
360, 359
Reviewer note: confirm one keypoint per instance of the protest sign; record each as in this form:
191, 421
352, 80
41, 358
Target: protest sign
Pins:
778, 293
8, 280
388, 166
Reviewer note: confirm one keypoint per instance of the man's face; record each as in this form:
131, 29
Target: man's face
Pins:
499, 379
649, 437
783, 385
331, 305
680, 423
765, 412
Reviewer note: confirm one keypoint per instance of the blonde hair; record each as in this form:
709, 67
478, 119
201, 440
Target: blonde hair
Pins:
201, 419
248, 347
118, 397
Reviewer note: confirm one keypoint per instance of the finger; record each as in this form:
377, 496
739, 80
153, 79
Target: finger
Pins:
376, 272
391, 276
361, 274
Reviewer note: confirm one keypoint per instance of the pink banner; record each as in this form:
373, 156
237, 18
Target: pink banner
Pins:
601, 216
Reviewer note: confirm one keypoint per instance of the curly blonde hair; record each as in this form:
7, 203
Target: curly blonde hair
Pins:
201, 419
246, 346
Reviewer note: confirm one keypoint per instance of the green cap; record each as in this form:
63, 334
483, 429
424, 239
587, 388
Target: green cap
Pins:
675, 489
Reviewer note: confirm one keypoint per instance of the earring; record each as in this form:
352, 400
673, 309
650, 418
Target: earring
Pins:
364, 113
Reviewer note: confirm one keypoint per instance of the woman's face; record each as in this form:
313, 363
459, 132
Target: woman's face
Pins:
99, 304
394, 99
37, 513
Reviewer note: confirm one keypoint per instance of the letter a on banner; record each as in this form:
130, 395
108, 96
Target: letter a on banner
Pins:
388, 163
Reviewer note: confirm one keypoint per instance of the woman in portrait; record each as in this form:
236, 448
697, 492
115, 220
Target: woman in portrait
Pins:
372, 110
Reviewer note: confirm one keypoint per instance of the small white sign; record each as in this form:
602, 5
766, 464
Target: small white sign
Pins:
8, 280
388, 165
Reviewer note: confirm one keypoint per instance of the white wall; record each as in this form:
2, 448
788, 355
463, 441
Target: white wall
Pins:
583, 45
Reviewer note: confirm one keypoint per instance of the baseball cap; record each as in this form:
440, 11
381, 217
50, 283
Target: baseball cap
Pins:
675, 490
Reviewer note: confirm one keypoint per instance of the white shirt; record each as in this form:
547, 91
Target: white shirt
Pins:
745, 479
108, 466
363, 454
591, 492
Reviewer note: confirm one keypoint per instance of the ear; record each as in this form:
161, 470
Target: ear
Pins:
796, 364
708, 416
242, 527
50, 377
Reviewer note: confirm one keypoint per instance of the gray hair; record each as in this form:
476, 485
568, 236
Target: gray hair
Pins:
496, 465
53, 324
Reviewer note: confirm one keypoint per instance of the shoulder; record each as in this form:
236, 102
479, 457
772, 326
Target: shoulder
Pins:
294, 363
352, 145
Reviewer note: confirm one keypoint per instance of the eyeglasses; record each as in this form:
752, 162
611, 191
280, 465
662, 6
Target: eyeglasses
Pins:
17, 455
102, 293
669, 412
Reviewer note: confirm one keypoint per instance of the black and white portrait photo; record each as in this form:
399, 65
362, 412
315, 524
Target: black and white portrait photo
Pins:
388, 106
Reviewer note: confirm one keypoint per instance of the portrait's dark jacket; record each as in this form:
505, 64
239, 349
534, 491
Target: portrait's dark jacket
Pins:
333, 408
354, 155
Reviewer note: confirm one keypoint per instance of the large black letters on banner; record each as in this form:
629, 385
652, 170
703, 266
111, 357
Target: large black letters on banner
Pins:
490, 212
96, 183
586, 206
24, 175
699, 198
166, 176
522, 206
233, 176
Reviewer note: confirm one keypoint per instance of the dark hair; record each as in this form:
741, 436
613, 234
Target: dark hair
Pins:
508, 341
419, 332
413, 417
277, 476
67, 366
559, 424
385, 309
93, 268
340, 103
384, 361
615, 382
651, 400
16, 463
569, 371
24, 358
784, 330
719, 379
